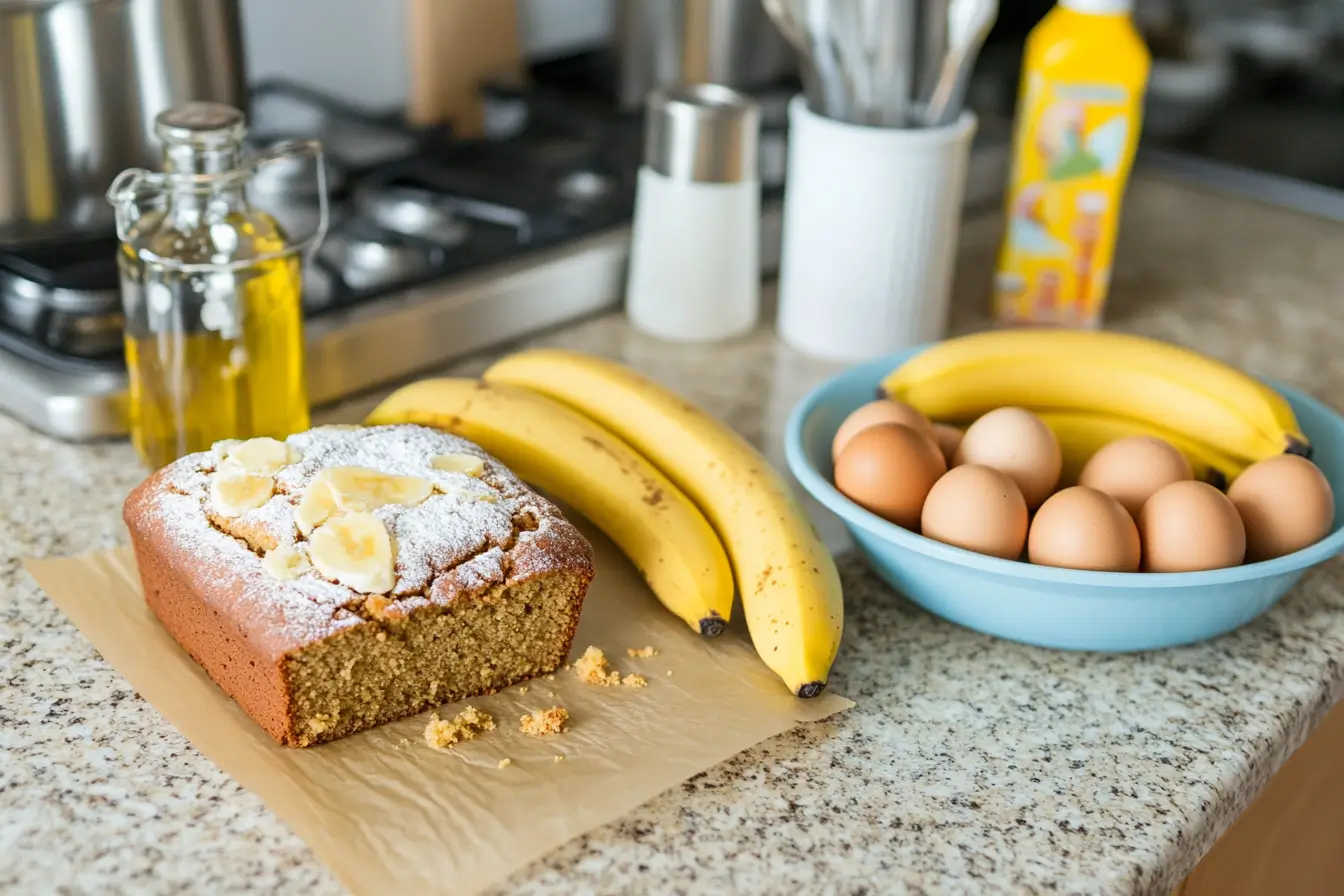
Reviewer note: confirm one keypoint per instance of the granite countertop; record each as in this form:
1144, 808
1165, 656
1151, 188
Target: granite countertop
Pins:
968, 765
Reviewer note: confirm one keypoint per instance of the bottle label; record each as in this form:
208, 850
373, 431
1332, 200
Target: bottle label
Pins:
1074, 149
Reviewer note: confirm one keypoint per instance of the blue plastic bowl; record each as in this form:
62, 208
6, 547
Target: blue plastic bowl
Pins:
1062, 608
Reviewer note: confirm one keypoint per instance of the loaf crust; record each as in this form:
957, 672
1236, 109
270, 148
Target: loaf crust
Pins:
490, 580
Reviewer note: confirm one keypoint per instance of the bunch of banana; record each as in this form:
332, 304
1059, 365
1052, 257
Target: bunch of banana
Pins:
786, 577
596, 472
607, 441
1209, 405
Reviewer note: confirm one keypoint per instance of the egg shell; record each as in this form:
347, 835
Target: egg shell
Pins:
1190, 526
1286, 504
1131, 470
885, 410
1017, 442
949, 439
888, 469
1082, 528
979, 509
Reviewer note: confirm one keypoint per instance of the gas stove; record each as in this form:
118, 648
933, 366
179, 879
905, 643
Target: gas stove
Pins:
437, 248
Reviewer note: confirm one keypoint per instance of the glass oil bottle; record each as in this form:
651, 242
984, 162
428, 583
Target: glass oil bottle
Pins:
212, 290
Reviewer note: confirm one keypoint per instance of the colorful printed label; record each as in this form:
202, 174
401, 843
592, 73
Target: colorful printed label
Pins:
1074, 149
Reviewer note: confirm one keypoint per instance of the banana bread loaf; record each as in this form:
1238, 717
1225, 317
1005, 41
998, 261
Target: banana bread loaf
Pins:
349, 576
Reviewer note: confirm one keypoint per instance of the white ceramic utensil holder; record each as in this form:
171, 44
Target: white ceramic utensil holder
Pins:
871, 218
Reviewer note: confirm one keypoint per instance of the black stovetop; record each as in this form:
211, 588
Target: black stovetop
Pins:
549, 170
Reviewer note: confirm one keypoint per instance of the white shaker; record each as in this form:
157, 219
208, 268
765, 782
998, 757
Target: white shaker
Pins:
871, 217
695, 257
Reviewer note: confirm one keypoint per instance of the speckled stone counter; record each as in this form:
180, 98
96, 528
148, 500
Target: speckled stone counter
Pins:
970, 765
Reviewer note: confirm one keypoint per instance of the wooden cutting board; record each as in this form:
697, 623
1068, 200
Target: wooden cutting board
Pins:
453, 45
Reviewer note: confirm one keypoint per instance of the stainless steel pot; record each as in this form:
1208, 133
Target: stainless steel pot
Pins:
80, 84
664, 42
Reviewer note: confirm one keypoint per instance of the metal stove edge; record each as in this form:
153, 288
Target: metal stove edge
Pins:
389, 339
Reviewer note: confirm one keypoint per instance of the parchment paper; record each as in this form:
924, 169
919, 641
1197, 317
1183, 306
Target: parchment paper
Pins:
389, 814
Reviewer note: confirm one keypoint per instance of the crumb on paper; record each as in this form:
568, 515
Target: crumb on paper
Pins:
669, 671
550, 678
441, 734
592, 668
544, 722
634, 681
503, 763
641, 652
523, 689
558, 758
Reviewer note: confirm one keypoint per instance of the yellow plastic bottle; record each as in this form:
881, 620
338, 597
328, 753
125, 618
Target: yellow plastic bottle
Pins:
1079, 112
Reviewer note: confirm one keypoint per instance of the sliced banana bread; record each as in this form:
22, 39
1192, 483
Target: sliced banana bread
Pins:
349, 576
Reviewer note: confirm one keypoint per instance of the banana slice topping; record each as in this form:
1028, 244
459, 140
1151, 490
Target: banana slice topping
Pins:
360, 490
315, 507
285, 563
257, 457
236, 494
458, 463
354, 550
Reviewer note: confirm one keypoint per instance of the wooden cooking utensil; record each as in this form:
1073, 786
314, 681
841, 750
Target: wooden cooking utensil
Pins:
454, 44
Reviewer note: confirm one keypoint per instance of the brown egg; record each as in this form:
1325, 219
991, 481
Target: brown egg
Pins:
889, 469
979, 509
1082, 528
883, 411
1131, 470
1285, 503
1018, 443
949, 439
1189, 526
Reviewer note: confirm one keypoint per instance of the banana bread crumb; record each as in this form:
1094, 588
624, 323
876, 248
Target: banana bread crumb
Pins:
634, 681
466, 725
544, 721
558, 759
505, 762
641, 652
592, 668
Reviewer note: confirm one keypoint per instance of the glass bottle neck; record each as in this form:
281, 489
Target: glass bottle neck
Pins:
193, 204
183, 158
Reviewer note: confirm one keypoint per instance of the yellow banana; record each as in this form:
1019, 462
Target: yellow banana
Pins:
790, 589
1082, 434
650, 519
1104, 372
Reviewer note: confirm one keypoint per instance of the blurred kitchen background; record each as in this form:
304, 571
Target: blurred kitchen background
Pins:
483, 156
1248, 82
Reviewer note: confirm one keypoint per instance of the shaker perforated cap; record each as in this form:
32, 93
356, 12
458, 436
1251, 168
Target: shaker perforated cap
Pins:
704, 133
202, 125
1099, 7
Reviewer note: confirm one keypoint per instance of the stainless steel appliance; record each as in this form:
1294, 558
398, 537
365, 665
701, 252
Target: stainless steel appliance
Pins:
437, 249
80, 84
728, 42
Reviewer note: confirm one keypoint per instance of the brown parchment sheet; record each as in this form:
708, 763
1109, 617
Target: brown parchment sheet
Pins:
386, 812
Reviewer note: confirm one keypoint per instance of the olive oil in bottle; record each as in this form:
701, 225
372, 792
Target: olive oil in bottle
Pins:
212, 290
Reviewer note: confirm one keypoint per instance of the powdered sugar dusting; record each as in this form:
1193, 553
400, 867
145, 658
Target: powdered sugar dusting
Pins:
468, 522
445, 530
310, 604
